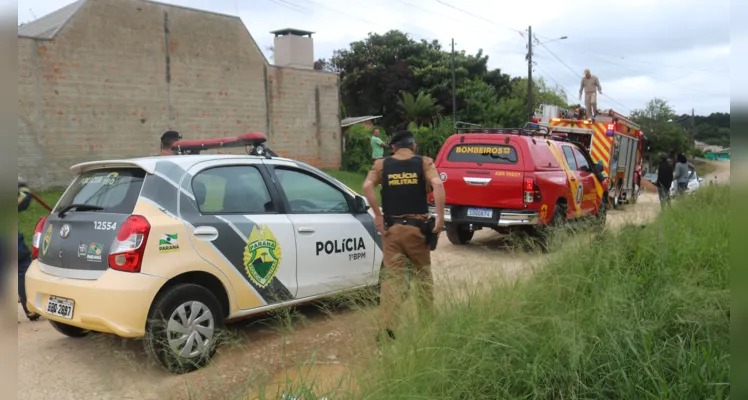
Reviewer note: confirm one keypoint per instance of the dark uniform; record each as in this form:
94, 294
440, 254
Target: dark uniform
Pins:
24, 254
405, 179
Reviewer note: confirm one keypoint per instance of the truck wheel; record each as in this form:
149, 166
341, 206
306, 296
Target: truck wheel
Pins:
554, 233
459, 234
183, 328
69, 330
602, 215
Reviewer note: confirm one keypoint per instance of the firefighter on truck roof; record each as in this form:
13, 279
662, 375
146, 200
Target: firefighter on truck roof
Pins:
408, 234
589, 84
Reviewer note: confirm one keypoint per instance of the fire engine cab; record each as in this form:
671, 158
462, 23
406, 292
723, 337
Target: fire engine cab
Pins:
611, 138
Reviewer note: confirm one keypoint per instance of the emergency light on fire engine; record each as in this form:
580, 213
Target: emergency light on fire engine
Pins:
253, 142
611, 130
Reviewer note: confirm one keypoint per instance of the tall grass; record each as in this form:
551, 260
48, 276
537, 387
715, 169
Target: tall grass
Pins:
643, 313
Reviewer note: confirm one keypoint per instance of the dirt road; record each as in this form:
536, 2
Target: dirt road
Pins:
51, 366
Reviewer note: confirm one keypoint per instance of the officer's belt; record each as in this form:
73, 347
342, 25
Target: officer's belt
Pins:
418, 223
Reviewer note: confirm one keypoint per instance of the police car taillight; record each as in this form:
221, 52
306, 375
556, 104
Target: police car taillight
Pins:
129, 245
531, 191
36, 240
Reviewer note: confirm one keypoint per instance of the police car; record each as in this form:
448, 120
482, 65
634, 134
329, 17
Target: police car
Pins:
169, 248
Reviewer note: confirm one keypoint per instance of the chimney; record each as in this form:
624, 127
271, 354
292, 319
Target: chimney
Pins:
293, 48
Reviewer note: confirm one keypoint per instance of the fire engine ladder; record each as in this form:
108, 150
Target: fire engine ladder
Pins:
617, 116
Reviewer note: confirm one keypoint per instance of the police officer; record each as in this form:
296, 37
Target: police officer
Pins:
405, 179
167, 140
24, 254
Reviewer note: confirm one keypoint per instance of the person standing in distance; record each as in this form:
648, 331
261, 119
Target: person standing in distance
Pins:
589, 84
377, 146
24, 254
167, 140
664, 180
681, 174
405, 179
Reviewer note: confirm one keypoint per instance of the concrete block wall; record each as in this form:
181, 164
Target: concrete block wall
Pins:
122, 72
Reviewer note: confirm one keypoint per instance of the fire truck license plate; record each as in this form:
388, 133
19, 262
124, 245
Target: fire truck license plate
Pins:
480, 212
60, 307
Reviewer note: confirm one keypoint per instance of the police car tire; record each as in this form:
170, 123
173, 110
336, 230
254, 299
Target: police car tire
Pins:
459, 234
69, 330
155, 341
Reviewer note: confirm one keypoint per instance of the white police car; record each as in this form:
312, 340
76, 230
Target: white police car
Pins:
168, 248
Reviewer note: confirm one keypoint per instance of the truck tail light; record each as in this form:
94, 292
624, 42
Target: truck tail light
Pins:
36, 240
128, 247
531, 191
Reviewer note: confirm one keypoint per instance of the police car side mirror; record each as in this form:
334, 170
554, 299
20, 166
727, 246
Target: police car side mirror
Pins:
362, 205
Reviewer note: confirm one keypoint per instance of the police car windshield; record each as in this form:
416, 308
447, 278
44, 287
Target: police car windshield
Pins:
112, 190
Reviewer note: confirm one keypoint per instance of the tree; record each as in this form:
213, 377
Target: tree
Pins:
663, 134
374, 72
479, 103
656, 110
542, 93
418, 109
324, 65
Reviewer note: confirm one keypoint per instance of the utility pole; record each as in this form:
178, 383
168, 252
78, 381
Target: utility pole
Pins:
454, 91
529, 73
693, 125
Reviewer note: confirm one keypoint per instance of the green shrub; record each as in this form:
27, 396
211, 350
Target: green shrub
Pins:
431, 138
357, 153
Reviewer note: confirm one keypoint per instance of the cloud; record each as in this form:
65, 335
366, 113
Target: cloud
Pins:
678, 50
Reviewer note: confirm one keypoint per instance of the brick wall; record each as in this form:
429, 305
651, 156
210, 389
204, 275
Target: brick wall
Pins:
121, 72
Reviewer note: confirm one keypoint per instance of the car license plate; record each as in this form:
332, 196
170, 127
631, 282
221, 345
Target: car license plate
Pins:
60, 307
480, 212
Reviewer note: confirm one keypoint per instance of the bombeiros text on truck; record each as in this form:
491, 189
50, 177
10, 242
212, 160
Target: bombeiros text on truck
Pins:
521, 180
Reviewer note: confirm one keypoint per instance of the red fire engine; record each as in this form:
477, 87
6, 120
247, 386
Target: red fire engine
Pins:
612, 139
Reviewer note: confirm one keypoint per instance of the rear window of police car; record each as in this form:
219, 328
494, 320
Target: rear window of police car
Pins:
483, 153
114, 190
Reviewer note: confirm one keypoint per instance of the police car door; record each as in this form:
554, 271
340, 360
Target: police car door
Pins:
235, 214
335, 249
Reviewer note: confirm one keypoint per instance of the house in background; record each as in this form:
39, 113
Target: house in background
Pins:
722, 155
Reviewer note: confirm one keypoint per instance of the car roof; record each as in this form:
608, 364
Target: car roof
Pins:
148, 164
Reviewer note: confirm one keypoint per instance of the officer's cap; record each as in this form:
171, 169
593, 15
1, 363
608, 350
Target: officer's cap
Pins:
401, 136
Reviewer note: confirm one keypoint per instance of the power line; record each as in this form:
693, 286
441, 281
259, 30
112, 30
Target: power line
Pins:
291, 6
659, 79
554, 80
600, 55
578, 74
481, 18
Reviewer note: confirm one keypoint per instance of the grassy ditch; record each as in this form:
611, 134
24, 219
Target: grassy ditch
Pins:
640, 313
644, 313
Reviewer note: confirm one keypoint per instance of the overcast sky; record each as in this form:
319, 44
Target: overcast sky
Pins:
678, 50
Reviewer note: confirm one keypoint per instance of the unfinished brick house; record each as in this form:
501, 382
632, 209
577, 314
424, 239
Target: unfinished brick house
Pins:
103, 79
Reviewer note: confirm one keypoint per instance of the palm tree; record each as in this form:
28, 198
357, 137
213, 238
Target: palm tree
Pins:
419, 108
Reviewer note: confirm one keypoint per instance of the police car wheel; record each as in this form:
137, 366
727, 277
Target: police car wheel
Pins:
69, 330
184, 327
459, 234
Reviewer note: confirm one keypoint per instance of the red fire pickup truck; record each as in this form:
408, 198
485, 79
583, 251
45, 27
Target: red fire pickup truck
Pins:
516, 179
